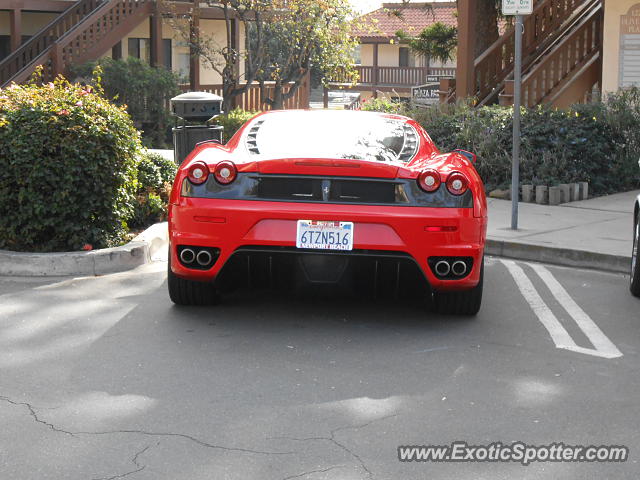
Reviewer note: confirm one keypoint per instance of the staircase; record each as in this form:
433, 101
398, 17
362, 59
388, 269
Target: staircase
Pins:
560, 51
81, 33
566, 72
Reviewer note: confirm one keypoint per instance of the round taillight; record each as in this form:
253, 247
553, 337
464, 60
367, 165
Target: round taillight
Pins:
198, 173
457, 183
225, 172
429, 180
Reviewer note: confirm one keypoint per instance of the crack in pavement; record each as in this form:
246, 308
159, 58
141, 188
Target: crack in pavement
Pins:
332, 439
304, 474
33, 413
135, 462
187, 437
141, 432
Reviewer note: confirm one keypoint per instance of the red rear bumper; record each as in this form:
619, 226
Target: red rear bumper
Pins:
230, 224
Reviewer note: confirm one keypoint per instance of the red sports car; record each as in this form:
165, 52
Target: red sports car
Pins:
326, 197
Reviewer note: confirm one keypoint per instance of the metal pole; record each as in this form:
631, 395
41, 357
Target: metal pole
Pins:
517, 84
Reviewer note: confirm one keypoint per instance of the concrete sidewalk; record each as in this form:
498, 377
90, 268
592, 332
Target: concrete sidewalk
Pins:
594, 233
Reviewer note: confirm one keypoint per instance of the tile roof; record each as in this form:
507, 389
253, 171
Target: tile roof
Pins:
412, 17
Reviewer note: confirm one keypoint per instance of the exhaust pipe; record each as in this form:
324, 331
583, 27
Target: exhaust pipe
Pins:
203, 258
459, 268
442, 268
187, 255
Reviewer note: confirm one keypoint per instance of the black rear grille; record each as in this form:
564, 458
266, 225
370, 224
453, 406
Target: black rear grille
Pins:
316, 189
279, 188
359, 191
330, 189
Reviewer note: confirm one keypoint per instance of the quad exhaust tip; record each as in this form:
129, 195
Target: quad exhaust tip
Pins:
459, 268
187, 256
443, 268
203, 258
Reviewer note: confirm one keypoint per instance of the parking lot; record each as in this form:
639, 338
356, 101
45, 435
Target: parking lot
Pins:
103, 378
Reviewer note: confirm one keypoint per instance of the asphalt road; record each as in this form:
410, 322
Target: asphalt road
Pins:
103, 378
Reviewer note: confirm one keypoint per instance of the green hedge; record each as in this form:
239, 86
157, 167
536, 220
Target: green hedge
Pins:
155, 178
145, 91
67, 168
233, 120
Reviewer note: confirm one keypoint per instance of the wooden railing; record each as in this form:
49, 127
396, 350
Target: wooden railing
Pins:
569, 57
78, 35
251, 99
365, 74
104, 27
547, 22
395, 76
33, 49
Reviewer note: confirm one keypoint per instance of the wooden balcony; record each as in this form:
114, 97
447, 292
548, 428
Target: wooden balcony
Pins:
400, 79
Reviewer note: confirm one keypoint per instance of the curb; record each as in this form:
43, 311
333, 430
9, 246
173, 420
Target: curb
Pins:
558, 256
152, 244
142, 249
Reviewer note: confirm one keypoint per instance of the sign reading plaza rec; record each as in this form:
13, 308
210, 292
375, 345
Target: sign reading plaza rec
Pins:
427, 94
517, 7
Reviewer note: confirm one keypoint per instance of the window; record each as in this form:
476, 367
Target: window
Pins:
183, 61
139, 48
5, 46
299, 134
166, 53
356, 55
403, 60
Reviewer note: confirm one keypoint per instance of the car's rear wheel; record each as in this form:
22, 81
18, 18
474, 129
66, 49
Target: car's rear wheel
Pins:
188, 292
634, 286
465, 302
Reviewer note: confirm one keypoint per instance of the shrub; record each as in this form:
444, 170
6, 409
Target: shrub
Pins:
597, 142
233, 120
384, 105
155, 177
143, 89
67, 168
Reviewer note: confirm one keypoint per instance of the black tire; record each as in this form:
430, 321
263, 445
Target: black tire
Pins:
634, 284
466, 302
188, 292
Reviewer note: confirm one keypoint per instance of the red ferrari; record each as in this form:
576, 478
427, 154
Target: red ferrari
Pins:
329, 197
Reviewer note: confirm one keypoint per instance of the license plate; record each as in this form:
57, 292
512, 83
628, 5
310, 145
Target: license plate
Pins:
324, 235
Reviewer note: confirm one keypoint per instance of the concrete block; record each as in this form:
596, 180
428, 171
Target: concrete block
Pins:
584, 190
501, 194
574, 192
527, 194
542, 194
554, 195
564, 192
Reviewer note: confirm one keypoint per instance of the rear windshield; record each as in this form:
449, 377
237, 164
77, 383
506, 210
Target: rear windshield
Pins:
333, 135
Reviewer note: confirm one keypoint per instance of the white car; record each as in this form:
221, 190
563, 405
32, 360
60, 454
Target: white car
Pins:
635, 264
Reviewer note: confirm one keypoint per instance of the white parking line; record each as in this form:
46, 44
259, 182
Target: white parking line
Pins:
603, 346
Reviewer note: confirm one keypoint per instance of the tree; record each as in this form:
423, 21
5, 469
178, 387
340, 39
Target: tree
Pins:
145, 91
437, 41
226, 58
486, 27
283, 39
302, 33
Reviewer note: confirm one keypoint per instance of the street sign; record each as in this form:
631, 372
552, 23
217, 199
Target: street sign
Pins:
517, 7
427, 94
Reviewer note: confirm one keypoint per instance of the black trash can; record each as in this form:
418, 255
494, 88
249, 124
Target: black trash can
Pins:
194, 107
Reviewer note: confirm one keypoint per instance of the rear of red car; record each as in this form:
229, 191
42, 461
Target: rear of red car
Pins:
389, 210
